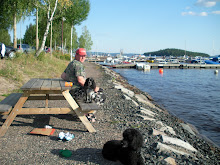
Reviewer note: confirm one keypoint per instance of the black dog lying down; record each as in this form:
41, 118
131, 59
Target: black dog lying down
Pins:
127, 151
87, 92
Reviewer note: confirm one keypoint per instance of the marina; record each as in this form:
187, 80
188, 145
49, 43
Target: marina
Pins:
167, 66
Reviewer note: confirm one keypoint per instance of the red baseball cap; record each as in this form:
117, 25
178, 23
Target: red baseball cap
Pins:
81, 52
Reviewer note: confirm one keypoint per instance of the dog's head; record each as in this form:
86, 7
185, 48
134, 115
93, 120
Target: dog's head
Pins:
90, 83
132, 138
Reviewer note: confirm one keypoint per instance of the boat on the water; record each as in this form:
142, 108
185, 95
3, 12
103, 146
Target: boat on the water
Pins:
211, 62
142, 66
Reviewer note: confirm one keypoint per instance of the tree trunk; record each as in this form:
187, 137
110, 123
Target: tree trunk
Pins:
44, 39
47, 29
15, 32
71, 53
37, 41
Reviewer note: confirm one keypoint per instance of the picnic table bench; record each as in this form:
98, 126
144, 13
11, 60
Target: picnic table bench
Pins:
44, 89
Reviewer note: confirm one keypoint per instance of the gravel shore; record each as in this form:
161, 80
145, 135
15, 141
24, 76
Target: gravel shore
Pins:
167, 139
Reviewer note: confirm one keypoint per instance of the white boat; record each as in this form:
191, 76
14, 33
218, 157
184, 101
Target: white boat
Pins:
161, 61
173, 61
142, 66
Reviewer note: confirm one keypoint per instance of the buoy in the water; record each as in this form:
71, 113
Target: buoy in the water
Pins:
161, 71
216, 71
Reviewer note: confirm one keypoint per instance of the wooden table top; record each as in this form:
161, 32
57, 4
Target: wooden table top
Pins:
45, 84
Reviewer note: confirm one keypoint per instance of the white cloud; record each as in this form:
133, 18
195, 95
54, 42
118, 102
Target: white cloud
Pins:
188, 13
206, 3
203, 14
216, 12
194, 13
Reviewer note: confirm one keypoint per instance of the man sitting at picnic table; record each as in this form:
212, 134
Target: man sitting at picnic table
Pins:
75, 73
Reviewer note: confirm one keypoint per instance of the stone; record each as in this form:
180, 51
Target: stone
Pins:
156, 132
170, 161
165, 128
178, 142
143, 99
163, 147
145, 117
124, 90
147, 112
168, 129
187, 127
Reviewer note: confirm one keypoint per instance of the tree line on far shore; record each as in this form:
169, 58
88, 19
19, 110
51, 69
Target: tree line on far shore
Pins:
175, 53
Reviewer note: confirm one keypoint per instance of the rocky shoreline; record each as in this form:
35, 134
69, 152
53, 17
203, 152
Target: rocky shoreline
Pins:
167, 139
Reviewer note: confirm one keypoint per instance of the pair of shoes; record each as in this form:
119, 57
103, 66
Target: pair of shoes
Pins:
91, 117
65, 136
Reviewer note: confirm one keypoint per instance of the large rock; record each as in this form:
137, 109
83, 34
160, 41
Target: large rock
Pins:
145, 117
164, 127
187, 128
147, 112
170, 161
124, 90
178, 142
156, 132
163, 147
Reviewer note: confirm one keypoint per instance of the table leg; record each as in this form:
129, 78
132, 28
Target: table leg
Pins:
78, 111
47, 98
13, 114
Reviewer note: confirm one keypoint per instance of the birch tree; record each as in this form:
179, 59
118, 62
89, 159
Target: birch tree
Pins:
50, 6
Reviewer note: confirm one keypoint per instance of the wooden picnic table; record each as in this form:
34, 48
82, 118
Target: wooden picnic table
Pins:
46, 89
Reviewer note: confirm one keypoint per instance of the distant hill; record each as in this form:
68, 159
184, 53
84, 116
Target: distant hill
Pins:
175, 53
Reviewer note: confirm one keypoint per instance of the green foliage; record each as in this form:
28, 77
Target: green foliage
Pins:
5, 37
30, 35
76, 13
14, 8
85, 40
175, 53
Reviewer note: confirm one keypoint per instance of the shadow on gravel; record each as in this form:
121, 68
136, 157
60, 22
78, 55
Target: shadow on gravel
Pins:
85, 155
39, 121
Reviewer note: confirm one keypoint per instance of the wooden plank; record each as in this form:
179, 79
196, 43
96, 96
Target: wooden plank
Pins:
47, 98
78, 111
62, 85
44, 98
37, 111
37, 84
46, 84
87, 106
29, 84
44, 91
5, 108
13, 114
9, 102
5, 113
55, 84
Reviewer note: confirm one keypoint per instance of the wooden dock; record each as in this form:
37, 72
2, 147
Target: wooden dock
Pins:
169, 66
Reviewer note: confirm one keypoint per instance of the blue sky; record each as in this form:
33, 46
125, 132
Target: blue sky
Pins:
150, 25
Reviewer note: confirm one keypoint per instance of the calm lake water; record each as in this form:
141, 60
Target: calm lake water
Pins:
191, 94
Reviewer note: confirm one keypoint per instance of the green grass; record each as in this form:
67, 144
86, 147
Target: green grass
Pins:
27, 66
